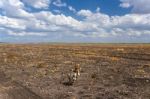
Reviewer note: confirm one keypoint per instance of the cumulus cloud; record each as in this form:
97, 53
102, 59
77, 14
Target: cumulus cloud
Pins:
98, 9
57, 11
138, 6
125, 5
59, 3
103, 24
85, 13
72, 9
38, 3
26, 34
58, 20
16, 21
11, 23
13, 8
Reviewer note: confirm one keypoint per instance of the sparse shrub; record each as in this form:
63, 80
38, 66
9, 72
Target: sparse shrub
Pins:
94, 76
41, 65
115, 58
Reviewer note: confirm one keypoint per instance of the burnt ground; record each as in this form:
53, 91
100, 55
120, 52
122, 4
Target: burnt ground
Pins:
109, 71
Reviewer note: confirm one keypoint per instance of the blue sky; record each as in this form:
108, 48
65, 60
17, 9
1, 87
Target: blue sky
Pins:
116, 21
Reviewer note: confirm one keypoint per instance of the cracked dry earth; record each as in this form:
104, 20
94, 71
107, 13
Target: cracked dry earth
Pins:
109, 71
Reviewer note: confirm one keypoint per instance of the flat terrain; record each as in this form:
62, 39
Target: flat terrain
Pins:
109, 71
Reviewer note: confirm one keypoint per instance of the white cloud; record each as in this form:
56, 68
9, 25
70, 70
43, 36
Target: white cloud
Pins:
11, 23
84, 13
18, 22
26, 34
98, 9
57, 11
38, 3
59, 3
15, 3
138, 6
72, 9
14, 8
58, 20
103, 24
125, 5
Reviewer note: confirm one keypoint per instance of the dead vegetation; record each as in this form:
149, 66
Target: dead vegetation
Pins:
108, 71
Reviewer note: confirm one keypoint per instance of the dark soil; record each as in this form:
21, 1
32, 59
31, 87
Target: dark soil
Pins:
39, 71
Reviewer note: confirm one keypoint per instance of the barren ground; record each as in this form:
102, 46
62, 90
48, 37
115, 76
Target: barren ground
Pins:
109, 71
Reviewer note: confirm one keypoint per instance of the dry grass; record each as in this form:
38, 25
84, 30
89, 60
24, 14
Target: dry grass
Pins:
108, 71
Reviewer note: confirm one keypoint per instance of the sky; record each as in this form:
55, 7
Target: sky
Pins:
100, 21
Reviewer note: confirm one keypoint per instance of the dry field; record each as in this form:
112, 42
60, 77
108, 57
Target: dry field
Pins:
109, 71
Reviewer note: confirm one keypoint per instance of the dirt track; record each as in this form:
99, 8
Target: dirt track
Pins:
108, 71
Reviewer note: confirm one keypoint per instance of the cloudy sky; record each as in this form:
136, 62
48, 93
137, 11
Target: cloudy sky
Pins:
75, 21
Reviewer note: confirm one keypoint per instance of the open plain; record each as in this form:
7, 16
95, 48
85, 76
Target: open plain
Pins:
108, 71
